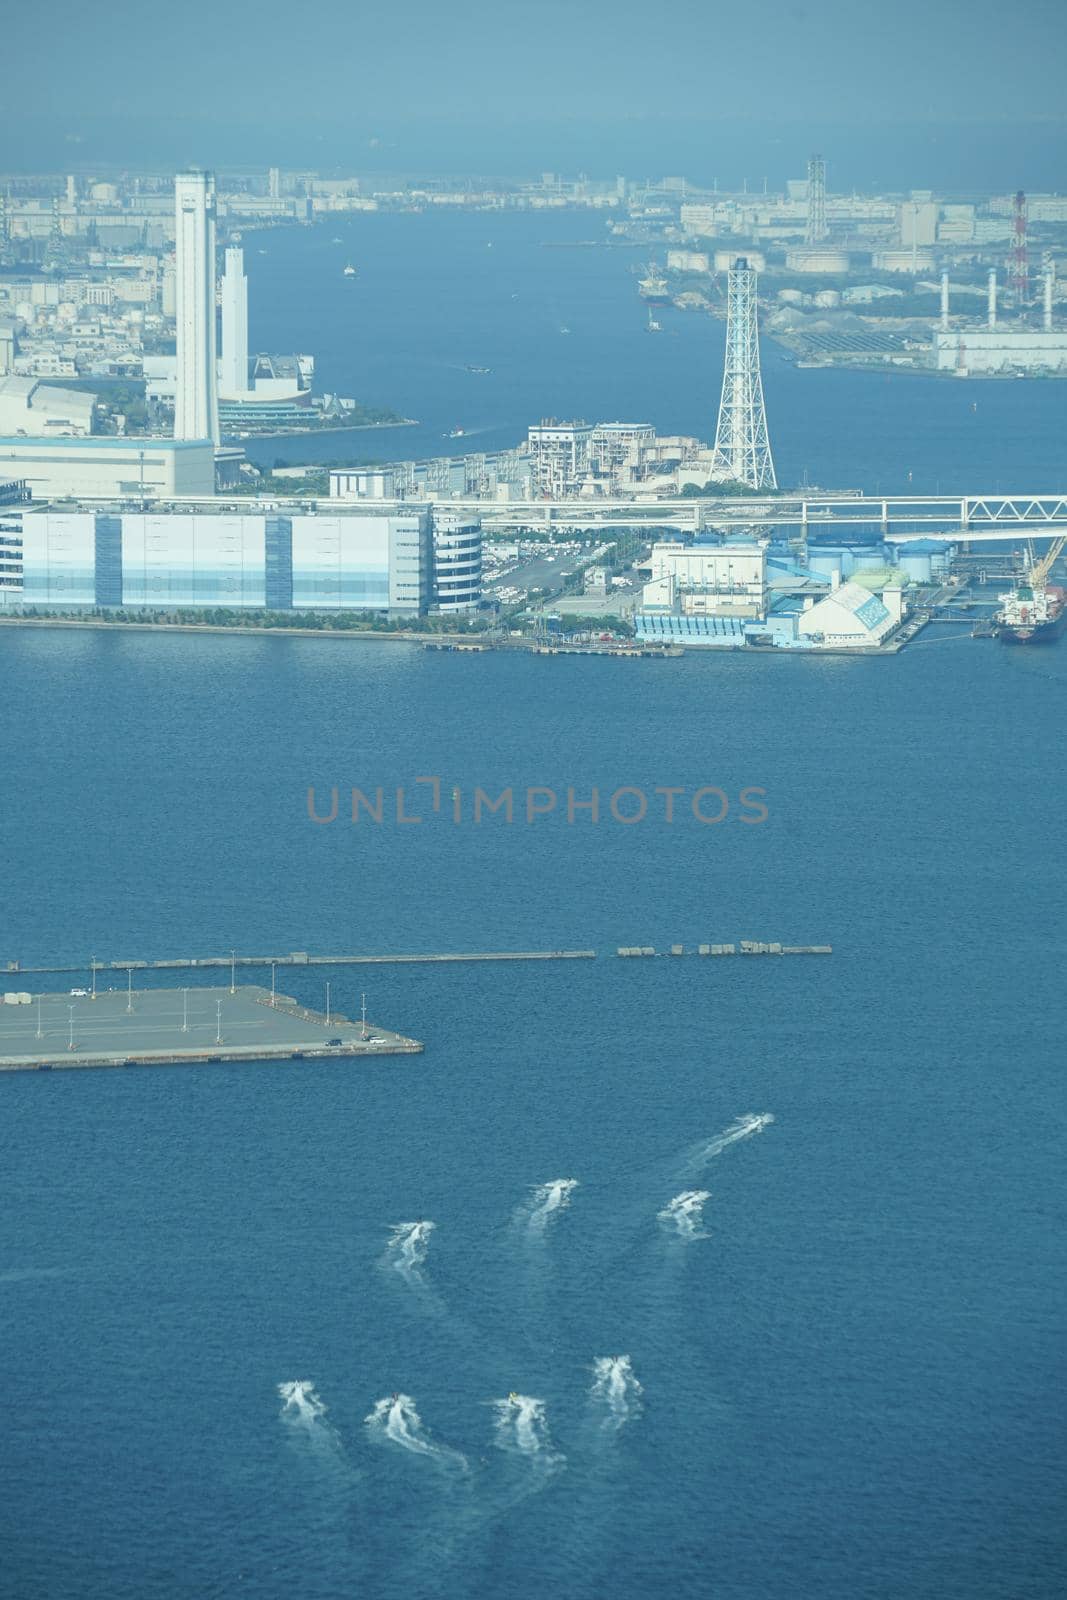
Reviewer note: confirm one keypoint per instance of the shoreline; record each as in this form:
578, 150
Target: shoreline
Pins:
465, 643
320, 433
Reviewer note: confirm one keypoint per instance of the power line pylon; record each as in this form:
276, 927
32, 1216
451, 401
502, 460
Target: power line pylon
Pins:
815, 232
742, 447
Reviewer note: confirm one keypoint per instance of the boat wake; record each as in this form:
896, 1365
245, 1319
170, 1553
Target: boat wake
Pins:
522, 1430
301, 1403
396, 1421
744, 1127
616, 1389
306, 1415
685, 1214
546, 1201
406, 1250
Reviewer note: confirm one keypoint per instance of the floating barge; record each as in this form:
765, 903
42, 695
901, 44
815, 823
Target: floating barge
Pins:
171, 1027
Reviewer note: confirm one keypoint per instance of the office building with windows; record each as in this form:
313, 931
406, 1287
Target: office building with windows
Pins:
214, 556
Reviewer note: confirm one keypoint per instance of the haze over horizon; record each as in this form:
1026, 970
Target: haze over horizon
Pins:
911, 96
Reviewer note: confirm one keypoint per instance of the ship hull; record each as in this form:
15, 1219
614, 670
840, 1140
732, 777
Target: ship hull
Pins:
1041, 633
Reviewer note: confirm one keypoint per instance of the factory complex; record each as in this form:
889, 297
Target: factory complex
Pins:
705, 594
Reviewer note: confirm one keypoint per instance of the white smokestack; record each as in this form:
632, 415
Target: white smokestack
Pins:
234, 324
1050, 274
993, 297
944, 301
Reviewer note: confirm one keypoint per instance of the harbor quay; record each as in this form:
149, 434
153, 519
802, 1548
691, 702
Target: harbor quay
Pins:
172, 1026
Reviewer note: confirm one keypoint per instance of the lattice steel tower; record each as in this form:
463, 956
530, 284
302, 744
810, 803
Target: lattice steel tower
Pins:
815, 232
742, 448
1020, 259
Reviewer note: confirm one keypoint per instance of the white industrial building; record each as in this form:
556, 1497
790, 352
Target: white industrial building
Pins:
967, 351
712, 580
851, 617
212, 555
31, 408
104, 468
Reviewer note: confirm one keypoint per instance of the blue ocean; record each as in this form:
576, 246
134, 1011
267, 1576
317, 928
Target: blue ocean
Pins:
684, 1276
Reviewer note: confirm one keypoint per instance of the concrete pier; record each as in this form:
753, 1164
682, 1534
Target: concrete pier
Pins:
160, 1027
747, 947
296, 958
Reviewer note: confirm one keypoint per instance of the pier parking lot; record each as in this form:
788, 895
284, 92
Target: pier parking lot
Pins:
178, 1025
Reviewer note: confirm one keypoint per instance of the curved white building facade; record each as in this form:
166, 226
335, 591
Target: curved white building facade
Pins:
457, 560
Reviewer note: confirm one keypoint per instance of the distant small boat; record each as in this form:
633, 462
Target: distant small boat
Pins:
350, 271
564, 330
455, 433
337, 241
478, 369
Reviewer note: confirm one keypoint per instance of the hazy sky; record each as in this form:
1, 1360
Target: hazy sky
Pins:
429, 80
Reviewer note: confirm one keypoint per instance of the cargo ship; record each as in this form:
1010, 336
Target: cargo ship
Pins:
1031, 614
1034, 611
654, 288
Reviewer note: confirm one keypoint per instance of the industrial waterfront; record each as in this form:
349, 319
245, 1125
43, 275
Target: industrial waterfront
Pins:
804, 1203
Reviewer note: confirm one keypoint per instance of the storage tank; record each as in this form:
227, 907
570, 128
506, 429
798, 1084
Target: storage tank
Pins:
917, 566
826, 559
816, 259
829, 299
922, 559
724, 259
867, 557
791, 297
903, 260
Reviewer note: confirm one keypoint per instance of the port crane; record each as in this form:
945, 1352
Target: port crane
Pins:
1038, 575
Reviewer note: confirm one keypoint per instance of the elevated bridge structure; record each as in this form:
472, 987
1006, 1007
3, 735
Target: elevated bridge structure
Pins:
982, 517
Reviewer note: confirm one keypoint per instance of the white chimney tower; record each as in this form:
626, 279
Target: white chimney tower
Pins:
234, 366
196, 409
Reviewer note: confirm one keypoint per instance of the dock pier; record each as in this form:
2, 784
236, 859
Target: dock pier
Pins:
181, 1027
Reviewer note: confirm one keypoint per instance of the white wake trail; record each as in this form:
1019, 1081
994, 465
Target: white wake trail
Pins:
305, 1413
547, 1200
743, 1128
522, 1429
616, 1389
685, 1214
396, 1420
408, 1243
